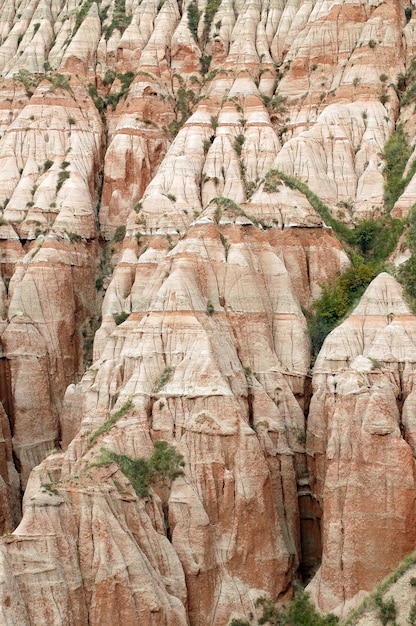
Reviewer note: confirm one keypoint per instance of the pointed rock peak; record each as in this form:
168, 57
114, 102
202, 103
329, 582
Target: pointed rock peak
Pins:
384, 296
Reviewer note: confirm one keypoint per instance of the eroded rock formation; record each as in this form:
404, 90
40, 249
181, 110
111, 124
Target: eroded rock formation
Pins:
140, 151
360, 444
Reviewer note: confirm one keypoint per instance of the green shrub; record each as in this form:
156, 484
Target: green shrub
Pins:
226, 244
98, 101
386, 610
112, 100
165, 463
62, 177
205, 62
407, 83
47, 487
337, 297
105, 267
272, 182
162, 467
119, 21
82, 13
59, 80
27, 78
299, 612
345, 234
407, 277
108, 424
126, 79
397, 153
119, 318
163, 378
185, 100
376, 239
210, 11
120, 233
109, 77
73, 237
47, 165
193, 15
238, 143
214, 122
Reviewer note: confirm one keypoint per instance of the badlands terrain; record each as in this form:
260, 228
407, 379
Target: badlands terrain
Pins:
192, 195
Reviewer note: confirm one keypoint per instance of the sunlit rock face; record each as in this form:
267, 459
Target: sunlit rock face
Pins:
361, 444
157, 271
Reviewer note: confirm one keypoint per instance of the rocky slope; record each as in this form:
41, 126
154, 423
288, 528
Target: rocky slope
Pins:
142, 207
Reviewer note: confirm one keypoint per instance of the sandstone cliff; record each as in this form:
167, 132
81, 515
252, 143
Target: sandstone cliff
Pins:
161, 164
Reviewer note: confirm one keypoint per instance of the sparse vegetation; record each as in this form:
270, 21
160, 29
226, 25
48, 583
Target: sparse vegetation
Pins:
120, 233
211, 8
407, 271
108, 424
370, 602
119, 318
272, 182
161, 468
368, 244
29, 81
98, 100
105, 267
73, 237
225, 244
275, 104
299, 612
205, 61
109, 77
163, 378
386, 609
81, 15
185, 100
62, 177
238, 144
194, 15
119, 20
397, 153
49, 488
337, 297
58, 80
